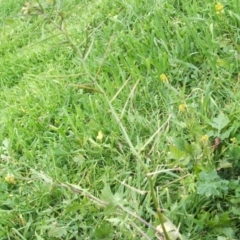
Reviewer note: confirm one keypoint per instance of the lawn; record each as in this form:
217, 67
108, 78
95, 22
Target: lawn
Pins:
120, 120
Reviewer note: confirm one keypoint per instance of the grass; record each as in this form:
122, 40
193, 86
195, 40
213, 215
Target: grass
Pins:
119, 120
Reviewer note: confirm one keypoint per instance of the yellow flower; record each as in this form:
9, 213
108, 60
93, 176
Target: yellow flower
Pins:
10, 179
219, 8
100, 135
163, 78
233, 140
204, 138
182, 107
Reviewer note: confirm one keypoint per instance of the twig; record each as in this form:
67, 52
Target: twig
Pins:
152, 137
140, 231
103, 203
129, 98
120, 89
139, 159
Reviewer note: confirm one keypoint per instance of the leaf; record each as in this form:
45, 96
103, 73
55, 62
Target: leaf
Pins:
57, 232
180, 143
234, 152
110, 209
221, 238
104, 231
171, 229
236, 211
38, 237
176, 153
224, 164
234, 15
42, 176
227, 231
112, 199
114, 221
210, 184
79, 159
220, 122
107, 194
208, 189
190, 183
74, 207
5, 143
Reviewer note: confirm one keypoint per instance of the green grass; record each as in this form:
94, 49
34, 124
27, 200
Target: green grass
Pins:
73, 70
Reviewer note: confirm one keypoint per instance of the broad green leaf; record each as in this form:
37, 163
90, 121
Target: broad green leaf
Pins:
234, 152
227, 231
180, 143
220, 122
224, 164
58, 232
104, 231
107, 194
221, 238
210, 184
236, 211
226, 134
74, 207
176, 153
110, 209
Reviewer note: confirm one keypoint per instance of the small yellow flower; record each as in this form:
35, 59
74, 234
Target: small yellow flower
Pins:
10, 179
182, 107
219, 8
100, 135
163, 78
233, 140
204, 138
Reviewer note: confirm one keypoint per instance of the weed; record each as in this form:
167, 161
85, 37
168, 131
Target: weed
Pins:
119, 120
